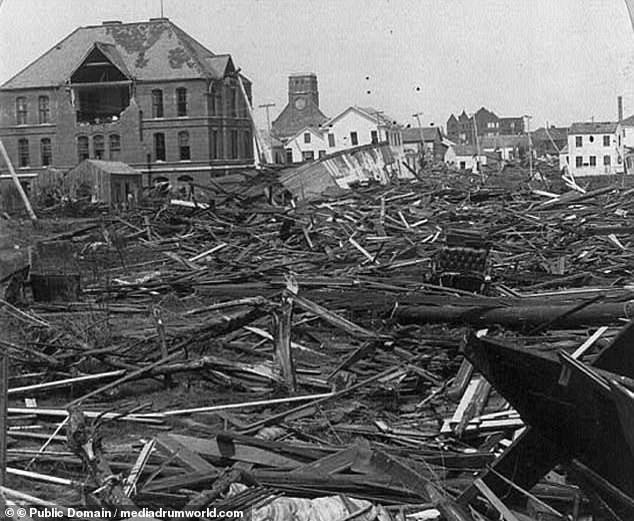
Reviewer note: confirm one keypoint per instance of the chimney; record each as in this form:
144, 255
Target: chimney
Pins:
111, 22
619, 103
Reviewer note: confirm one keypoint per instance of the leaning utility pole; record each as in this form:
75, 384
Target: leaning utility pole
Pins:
16, 180
268, 106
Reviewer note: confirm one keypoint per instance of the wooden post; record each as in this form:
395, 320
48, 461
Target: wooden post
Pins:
155, 311
282, 322
16, 180
4, 402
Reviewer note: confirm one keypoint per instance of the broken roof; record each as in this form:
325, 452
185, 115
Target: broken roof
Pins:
148, 51
600, 127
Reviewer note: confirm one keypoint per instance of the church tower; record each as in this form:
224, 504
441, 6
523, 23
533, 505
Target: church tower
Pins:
302, 109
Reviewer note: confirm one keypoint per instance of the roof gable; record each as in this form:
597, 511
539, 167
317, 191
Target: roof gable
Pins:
104, 53
155, 50
368, 113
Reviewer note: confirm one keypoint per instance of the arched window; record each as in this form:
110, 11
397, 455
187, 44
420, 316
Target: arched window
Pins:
114, 147
46, 151
159, 146
99, 146
23, 153
44, 109
157, 103
181, 101
183, 146
82, 148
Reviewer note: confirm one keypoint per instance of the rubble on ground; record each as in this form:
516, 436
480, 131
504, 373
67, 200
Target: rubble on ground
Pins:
305, 360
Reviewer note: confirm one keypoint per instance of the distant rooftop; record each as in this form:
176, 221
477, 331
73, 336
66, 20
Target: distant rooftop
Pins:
599, 127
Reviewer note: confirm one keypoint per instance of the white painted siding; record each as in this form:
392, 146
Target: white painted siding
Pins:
298, 146
592, 146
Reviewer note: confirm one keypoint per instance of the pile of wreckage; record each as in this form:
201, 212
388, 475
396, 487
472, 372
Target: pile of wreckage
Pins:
436, 349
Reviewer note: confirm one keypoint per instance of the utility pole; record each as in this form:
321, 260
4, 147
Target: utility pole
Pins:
268, 106
530, 148
422, 138
477, 141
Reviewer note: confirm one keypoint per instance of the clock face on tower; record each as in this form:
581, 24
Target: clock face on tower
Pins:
300, 103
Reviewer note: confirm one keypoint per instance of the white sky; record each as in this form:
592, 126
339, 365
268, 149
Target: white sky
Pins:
559, 60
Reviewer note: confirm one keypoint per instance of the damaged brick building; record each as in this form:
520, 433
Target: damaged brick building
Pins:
144, 93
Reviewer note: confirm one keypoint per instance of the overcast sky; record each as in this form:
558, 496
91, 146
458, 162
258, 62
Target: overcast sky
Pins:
559, 60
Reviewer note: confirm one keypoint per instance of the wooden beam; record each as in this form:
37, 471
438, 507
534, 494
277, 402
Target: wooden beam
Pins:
16, 180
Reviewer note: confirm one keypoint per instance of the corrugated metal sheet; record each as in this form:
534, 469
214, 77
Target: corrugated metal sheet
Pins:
340, 170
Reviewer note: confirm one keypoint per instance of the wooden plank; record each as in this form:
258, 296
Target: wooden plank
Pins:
495, 501
332, 463
192, 461
4, 401
239, 452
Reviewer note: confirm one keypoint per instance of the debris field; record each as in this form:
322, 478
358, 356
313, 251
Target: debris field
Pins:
375, 353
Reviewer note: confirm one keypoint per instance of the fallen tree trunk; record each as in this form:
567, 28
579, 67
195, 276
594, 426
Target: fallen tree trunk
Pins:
517, 316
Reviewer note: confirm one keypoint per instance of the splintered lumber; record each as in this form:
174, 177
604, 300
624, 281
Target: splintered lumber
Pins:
424, 488
277, 417
47, 386
504, 511
332, 318
229, 406
4, 403
127, 377
82, 441
135, 473
282, 327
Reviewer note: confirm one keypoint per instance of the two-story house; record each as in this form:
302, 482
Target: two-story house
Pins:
353, 127
594, 148
357, 126
144, 93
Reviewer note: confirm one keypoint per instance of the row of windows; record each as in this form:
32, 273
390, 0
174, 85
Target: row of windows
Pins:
99, 147
240, 145
22, 110
181, 103
579, 140
24, 155
236, 105
592, 161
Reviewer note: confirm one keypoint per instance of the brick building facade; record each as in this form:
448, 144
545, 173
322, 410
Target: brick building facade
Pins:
143, 93
484, 123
